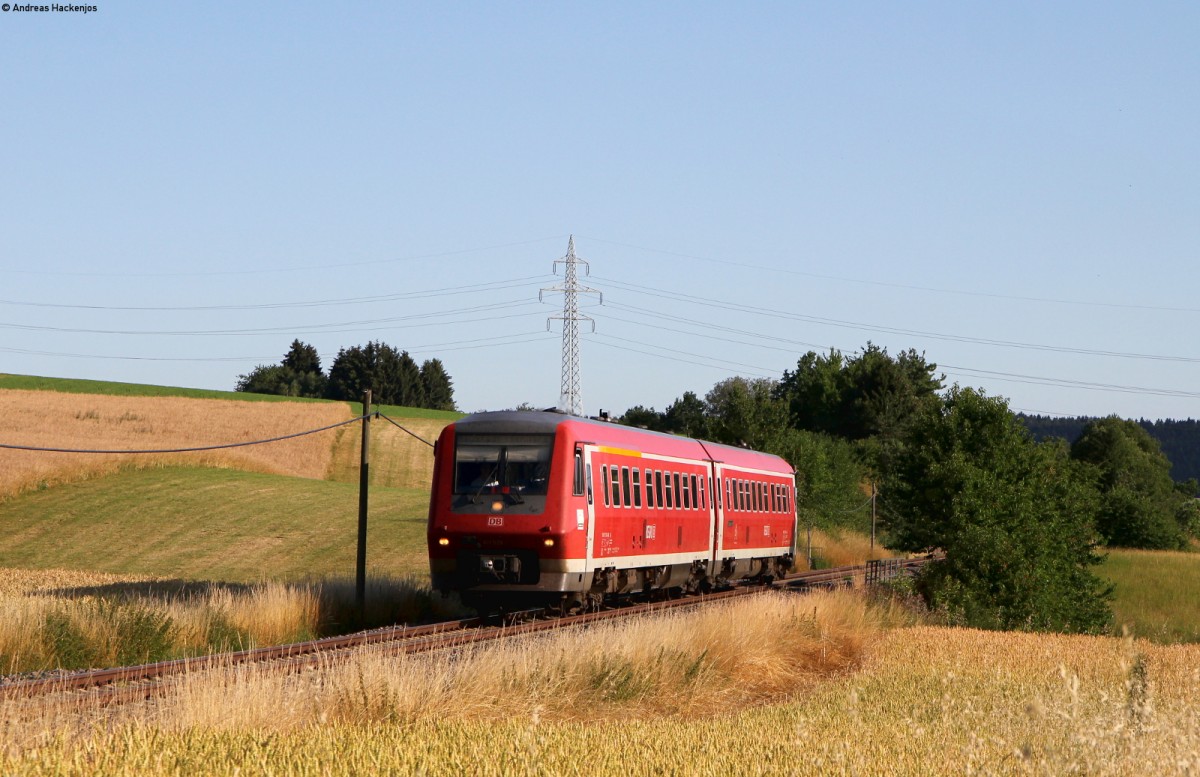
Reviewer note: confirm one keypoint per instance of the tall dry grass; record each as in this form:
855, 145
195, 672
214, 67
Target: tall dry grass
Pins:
673, 666
839, 549
57, 420
42, 630
59, 619
832, 691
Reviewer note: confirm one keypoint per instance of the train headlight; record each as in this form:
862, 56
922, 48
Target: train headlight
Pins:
444, 541
497, 506
548, 542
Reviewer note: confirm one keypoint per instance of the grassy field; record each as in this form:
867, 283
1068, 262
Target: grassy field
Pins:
212, 524
1156, 593
115, 389
817, 684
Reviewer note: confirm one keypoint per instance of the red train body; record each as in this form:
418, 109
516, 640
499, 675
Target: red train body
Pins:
532, 507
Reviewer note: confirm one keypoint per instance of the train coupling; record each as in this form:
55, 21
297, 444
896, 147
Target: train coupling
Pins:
501, 569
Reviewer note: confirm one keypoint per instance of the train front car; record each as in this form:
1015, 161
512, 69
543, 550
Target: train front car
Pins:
533, 509
498, 529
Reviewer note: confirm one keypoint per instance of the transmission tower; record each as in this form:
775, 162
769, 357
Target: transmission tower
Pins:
570, 399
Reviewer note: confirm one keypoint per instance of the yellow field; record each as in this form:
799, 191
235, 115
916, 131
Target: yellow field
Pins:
783, 685
397, 459
58, 420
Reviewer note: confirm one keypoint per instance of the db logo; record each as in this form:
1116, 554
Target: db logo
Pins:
495, 520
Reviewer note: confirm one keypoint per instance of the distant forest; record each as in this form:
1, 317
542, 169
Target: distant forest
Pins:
1180, 440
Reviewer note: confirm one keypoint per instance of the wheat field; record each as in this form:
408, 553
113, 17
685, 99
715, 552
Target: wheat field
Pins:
91, 421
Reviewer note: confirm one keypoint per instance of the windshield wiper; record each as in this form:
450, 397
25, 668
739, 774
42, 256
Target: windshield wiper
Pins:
487, 479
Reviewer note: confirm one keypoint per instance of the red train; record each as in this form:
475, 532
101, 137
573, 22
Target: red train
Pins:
536, 508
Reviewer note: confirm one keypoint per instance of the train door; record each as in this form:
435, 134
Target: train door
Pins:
718, 532
588, 517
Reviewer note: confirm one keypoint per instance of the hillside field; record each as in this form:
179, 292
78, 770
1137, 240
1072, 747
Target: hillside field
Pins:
288, 510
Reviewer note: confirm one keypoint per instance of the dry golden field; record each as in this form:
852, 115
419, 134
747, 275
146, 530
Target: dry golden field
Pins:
820, 684
58, 420
397, 459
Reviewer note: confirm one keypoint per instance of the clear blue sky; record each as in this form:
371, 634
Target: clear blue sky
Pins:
1012, 188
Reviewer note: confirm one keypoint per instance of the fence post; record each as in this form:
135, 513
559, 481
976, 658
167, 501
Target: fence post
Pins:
364, 466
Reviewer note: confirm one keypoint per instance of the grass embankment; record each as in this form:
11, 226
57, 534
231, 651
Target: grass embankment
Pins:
1155, 593
780, 685
213, 524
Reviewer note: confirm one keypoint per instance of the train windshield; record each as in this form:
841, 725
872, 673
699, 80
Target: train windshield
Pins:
502, 464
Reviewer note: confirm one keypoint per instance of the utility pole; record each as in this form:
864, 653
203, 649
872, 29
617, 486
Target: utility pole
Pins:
364, 482
570, 398
872, 519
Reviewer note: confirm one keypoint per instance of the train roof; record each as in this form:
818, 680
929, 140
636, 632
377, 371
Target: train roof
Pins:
603, 432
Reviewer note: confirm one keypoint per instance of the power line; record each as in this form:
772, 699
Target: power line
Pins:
306, 328
710, 302
481, 342
910, 287
1069, 383
220, 446
475, 288
676, 358
265, 271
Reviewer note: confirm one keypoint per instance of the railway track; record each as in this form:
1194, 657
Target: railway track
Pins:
134, 683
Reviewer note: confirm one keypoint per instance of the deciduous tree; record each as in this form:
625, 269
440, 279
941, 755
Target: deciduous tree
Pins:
1014, 518
1139, 501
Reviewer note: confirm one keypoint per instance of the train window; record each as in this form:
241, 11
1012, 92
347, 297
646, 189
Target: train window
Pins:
625, 489
658, 488
746, 495
589, 483
650, 488
616, 485
703, 494
577, 490
728, 494
670, 503
687, 494
678, 490
502, 463
695, 493
637, 487
604, 490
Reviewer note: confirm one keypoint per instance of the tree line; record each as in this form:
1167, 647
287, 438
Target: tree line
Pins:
392, 376
1180, 440
1022, 522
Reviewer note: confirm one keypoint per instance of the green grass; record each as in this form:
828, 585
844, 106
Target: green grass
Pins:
1156, 593
396, 411
112, 388
214, 524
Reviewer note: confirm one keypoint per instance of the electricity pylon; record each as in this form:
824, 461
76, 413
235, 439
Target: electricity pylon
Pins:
570, 398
